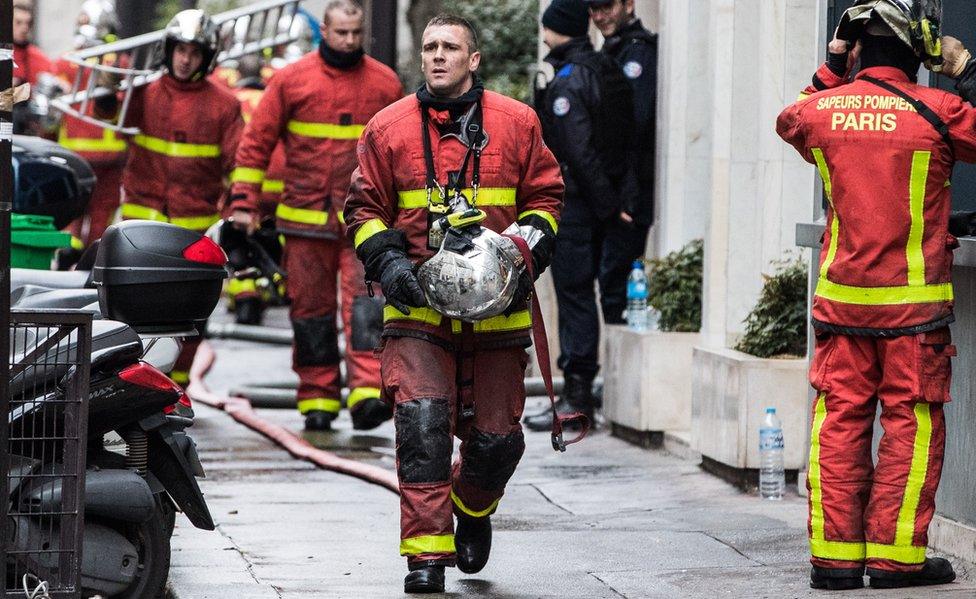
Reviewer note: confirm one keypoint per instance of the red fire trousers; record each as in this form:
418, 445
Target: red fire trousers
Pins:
101, 207
865, 513
438, 393
316, 267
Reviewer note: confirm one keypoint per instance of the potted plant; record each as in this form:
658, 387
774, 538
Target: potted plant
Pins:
647, 381
733, 387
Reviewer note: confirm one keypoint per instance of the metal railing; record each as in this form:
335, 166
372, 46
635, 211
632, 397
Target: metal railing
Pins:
45, 413
136, 61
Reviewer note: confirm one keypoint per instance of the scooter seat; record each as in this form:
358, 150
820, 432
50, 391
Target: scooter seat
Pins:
34, 297
52, 279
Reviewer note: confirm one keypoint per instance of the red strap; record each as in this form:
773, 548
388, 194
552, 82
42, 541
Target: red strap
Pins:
542, 356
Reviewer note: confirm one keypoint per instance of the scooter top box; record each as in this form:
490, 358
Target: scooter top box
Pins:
157, 275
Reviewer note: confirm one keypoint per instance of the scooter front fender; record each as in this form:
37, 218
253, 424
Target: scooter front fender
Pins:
170, 455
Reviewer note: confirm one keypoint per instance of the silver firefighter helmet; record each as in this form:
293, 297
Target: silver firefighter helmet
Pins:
475, 274
192, 26
97, 24
917, 23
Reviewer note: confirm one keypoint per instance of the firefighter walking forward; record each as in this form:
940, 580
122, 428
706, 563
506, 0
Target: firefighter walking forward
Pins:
318, 106
885, 148
447, 377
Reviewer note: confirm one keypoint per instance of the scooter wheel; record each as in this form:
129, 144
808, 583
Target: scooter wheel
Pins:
151, 540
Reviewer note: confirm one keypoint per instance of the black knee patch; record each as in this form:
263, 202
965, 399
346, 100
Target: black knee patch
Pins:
316, 341
490, 459
423, 440
367, 323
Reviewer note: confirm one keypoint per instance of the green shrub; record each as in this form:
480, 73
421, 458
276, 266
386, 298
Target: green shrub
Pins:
777, 326
675, 288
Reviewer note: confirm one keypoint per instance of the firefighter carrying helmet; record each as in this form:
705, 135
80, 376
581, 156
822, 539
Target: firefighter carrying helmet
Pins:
97, 24
917, 23
476, 272
192, 26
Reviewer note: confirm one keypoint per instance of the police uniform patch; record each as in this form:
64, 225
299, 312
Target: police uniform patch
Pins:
561, 106
633, 69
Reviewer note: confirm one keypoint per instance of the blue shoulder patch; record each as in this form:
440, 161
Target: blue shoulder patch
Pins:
566, 71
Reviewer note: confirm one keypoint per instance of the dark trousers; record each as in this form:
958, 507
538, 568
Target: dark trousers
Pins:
603, 252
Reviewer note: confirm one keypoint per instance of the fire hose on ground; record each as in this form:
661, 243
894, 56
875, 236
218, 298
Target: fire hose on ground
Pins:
241, 410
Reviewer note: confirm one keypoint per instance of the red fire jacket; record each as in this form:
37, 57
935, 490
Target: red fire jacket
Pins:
99, 146
519, 176
273, 186
887, 255
29, 61
177, 163
319, 112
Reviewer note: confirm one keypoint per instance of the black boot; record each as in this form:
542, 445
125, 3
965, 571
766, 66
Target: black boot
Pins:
577, 396
836, 579
318, 420
935, 571
249, 310
370, 413
472, 540
424, 577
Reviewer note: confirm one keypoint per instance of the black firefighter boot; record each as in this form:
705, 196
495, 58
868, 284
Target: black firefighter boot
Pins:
472, 541
318, 420
837, 579
577, 396
370, 413
424, 577
935, 571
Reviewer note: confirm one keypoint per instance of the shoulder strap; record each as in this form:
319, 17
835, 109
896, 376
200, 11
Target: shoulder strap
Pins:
923, 110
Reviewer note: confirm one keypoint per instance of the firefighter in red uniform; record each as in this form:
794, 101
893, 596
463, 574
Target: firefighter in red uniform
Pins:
29, 60
102, 148
449, 377
189, 130
885, 148
319, 137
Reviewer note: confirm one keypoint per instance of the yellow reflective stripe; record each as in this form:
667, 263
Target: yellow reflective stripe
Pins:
837, 550
239, 286
427, 544
802, 96
367, 230
246, 174
361, 393
905, 555
905, 530
108, 142
424, 315
77, 243
499, 324
137, 211
884, 296
342, 217
487, 196
326, 130
180, 377
321, 404
474, 514
813, 475
175, 148
834, 221
302, 215
272, 186
195, 223
920, 177
549, 218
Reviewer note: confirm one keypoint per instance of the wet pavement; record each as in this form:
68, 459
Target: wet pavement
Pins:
606, 519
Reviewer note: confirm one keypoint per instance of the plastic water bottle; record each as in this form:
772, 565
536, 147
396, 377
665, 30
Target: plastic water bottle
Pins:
772, 478
637, 298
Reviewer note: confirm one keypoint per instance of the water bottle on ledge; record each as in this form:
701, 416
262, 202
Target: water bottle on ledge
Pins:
772, 477
637, 298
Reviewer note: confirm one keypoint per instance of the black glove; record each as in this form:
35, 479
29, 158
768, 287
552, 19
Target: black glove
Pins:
522, 295
966, 85
384, 257
400, 284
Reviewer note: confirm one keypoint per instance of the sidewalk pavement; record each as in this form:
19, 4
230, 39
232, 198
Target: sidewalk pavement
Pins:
604, 520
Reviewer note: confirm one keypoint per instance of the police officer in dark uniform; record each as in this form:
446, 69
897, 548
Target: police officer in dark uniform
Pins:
587, 119
635, 50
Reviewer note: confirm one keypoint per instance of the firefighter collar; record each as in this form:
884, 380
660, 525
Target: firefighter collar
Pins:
470, 133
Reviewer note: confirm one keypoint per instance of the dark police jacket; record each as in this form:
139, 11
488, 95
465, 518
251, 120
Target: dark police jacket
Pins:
635, 50
587, 121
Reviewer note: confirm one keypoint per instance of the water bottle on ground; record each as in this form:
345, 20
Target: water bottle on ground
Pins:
637, 298
772, 478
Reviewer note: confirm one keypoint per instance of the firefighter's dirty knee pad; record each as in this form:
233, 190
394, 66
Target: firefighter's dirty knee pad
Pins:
490, 459
367, 323
423, 440
316, 341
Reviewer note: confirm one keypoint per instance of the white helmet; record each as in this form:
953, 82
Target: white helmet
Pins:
97, 23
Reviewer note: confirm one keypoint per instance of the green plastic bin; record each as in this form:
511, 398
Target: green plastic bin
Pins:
33, 241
